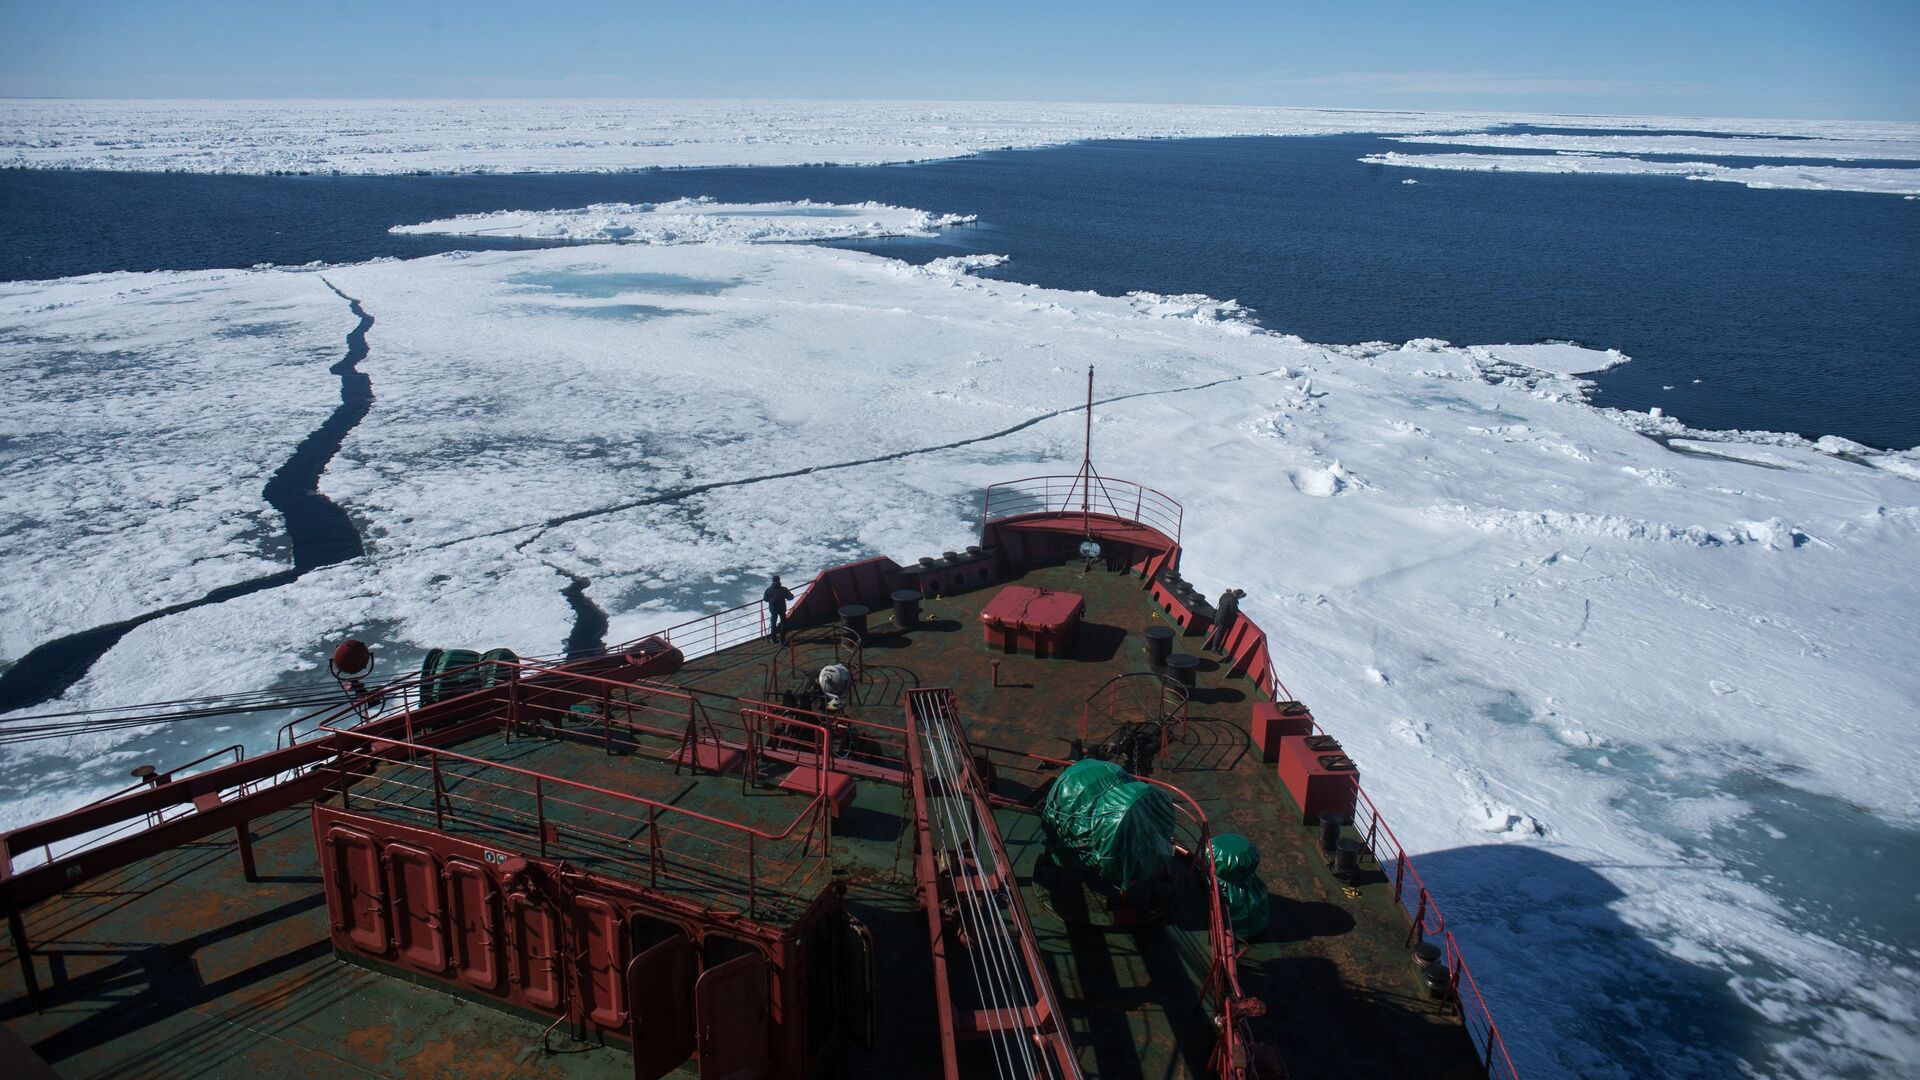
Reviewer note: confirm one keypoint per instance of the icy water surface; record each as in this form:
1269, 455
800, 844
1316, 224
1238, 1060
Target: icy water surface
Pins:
1794, 309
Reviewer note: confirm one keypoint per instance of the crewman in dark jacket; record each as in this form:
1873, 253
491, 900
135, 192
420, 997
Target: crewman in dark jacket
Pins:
776, 597
1226, 610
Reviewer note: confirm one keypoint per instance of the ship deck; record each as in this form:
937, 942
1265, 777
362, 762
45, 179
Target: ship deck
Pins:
178, 966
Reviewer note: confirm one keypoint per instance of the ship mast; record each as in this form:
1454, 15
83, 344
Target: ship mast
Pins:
1086, 465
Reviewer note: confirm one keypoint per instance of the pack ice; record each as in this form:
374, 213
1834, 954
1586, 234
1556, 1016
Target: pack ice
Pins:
1676, 662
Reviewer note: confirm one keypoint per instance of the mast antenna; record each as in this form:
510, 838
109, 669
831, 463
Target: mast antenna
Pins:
1086, 465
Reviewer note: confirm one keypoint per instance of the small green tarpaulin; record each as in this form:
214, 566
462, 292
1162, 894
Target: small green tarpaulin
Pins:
1117, 827
1235, 861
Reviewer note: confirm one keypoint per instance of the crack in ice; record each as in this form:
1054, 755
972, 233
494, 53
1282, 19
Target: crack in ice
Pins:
319, 531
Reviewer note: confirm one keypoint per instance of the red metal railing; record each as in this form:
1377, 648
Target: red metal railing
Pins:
1408, 888
1121, 499
717, 632
1428, 922
160, 815
722, 865
1192, 834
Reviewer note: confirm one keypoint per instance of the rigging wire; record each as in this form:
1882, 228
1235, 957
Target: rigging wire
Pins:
1012, 983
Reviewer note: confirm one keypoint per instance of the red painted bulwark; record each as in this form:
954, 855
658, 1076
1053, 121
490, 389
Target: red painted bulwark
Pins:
475, 915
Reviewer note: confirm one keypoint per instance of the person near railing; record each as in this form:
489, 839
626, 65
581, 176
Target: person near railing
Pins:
776, 597
1226, 610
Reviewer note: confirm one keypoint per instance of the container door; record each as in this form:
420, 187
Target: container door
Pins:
853, 980
475, 921
603, 949
660, 985
419, 927
360, 911
730, 1003
536, 952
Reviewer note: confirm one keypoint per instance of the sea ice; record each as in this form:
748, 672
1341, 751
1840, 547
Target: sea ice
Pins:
1894, 142
1889, 181
698, 221
1514, 615
398, 137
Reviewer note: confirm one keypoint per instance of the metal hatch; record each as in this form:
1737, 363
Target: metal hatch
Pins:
536, 946
358, 888
602, 955
730, 1002
475, 919
658, 982
853, 980
418, 926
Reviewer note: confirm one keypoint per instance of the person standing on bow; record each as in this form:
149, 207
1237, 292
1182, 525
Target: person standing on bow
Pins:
1226, 612
776, 597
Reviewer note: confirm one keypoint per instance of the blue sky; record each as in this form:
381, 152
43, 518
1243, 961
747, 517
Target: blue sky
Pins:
1770, 58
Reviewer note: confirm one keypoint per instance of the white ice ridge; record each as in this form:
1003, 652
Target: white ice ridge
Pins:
1888, 181
699, 220
1896, 143
481, 136
1543, 634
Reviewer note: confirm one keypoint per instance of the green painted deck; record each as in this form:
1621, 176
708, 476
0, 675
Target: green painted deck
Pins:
179, 967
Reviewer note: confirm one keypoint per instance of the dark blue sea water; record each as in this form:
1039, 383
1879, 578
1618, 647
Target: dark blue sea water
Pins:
1796, 311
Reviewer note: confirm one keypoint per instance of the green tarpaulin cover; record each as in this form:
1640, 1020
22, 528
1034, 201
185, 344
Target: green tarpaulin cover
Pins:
1117, 827
1234, 861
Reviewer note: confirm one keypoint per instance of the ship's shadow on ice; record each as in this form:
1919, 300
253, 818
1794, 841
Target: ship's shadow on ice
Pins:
1576, 990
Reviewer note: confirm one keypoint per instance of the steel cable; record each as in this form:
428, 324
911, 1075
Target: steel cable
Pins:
1006, 959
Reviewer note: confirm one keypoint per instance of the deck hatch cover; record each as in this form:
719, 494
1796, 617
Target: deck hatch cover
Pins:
730, 1002
660, 985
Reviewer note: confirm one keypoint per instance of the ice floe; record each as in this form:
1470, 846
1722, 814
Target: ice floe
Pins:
1516, 610
1894, 143
1887, 181
698, 221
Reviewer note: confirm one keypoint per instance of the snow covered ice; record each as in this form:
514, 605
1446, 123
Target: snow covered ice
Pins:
695, 221
1537, 625
1888, 181
397, 137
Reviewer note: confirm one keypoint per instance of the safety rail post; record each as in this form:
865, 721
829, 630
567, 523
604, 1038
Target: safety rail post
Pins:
540, 809
753, 878
655, 852
439, 797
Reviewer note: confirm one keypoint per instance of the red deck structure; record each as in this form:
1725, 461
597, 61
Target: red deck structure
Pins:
648, 861
1039, 621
